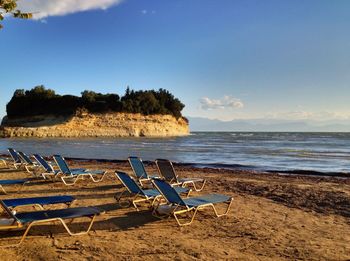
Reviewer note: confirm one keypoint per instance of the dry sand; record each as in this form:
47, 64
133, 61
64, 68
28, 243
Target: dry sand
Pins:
272, 218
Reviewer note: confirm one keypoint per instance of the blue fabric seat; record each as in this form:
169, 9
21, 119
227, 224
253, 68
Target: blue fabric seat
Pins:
6, 182
166, 169
206, 199
68, 213
13, 181
84, 171
192, 204
141, 195
38, 201
28, 219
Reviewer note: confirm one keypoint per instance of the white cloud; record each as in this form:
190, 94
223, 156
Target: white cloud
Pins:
226, 102
45, 8
308, 115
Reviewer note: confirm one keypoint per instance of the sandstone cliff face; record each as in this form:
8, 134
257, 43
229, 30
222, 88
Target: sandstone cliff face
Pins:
96, 125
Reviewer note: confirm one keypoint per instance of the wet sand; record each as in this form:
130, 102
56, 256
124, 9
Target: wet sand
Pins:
273, 217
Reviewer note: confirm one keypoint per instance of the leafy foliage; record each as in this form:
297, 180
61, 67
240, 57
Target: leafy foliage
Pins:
42, 101
9, 7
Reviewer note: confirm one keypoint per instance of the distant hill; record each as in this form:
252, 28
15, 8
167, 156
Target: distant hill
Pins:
204, 124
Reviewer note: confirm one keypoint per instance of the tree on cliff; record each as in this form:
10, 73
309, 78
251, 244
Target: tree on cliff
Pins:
9, 7
42, 101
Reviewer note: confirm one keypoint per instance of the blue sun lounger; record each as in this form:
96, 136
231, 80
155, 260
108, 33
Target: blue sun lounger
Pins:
166, 169
5, 182
28, 164
139, 170
46, 166
17, 162
26, 220
38, 201
191, 204
76, 174
140, 195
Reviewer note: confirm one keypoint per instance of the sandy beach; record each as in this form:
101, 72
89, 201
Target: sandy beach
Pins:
273, 217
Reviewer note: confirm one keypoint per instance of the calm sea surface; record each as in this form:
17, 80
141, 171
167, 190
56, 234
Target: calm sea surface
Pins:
324, 152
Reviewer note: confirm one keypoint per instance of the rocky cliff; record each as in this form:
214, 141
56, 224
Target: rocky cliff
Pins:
95, 125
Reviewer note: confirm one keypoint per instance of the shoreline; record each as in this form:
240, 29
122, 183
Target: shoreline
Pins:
227, 167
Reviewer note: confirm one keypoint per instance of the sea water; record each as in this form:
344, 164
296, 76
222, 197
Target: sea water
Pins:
323, 152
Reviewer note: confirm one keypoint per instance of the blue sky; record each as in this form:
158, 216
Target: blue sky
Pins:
225, 59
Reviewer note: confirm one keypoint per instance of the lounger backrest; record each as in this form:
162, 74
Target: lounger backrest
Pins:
14, 155
25, 158
43, 163
62, 164
168, 192
166, 169
129, 183
138, 167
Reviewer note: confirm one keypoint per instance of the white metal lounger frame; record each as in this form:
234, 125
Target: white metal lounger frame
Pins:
180, 209
17, 224
81, 176
20, 187
76, 177
136, 198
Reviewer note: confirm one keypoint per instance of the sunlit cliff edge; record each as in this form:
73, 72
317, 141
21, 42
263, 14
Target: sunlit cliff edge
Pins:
83, 124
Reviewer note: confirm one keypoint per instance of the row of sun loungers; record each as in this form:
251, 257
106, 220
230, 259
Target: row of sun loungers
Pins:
165, 189
67, 175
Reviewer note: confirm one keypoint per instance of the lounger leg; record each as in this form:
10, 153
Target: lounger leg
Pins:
118, 199
57, 219
3, 190
226, 211
27, 169
16, 165
138, 201
70, 203
22, 238
98, 180
41, 207
4, 162
156, 199
176, 213
194, 185
79, 233
71, 183
44, 175
156, 205
21, 187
